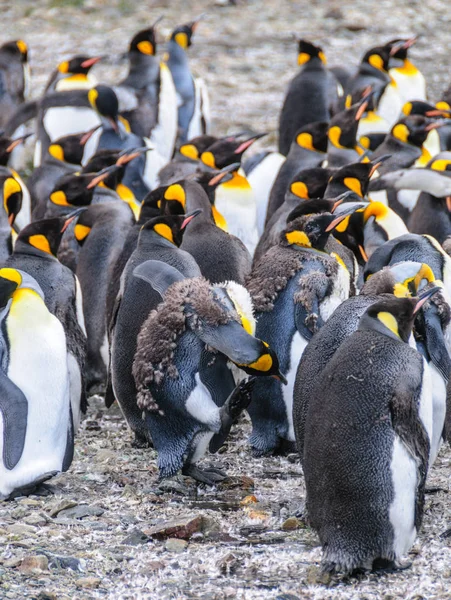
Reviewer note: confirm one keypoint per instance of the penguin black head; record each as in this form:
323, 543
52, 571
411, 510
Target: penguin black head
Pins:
46, 235
70, 148
343, 127
312, 230
174, 198
354, 177
7, 145
394, 317
170, 227
75, 189
17, 49
227, 151
78, 65
313, 137
12, 194
101, 160
378, 57
418, 107
145, 42
182, 35
310, 207
309, 183
308, 52
193, 148
150, 206
399, 48
104, 100
372, 141
414, 129
266, 365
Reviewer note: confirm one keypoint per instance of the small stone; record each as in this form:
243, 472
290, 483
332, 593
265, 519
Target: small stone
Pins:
243, 483
65, 562
63, 505
178, 528
105, 455
155, 565
291, 524
12, 562
31, 563
29, 502
81, 511
176, 545
210, 526
228, 564
316, 576
91, 583
259, 515
45, 595
20, 529
333, 13
136, 538
35, 520
249, 500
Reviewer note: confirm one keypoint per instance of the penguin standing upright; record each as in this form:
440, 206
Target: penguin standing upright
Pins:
35, 252
186, 390
37, 439
159, 239
14, 78
367, 445
147, 96
192, 95
409, 80
308, 98
295, 287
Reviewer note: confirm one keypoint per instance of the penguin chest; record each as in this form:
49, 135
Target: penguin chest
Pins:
438, 391
410, 82
390, 104
164, 133
298, 345
67, 120
261, 180
339, 291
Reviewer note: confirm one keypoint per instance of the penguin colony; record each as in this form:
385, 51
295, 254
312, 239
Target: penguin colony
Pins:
147, 260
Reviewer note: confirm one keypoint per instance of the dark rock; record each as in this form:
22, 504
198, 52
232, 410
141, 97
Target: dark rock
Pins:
182, 528
81, 511
136, 538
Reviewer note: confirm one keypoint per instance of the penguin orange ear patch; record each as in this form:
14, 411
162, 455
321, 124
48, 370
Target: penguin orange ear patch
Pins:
190, 151
176, 192
299, 189
56, 151
299, 238
81, 232
40, 242
401, 132
23, 48
11, 274
353, 184
389, 321
303, 58
93, 94
63, 67
181, 39
376, 61
165, 231
146, 47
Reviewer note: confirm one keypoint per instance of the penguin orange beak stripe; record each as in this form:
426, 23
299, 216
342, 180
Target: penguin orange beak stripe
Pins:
17, 141
448, 203
189, 217
89, 62
424, 297
88, 134
281, 378
245, 145
126, 158
432, 126
376, 165
438, 113
363, 253
361, 110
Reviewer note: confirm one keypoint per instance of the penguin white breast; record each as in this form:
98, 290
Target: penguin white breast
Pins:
408, 198
410, 86
390, 104
67, 120
164, 133
402, 509
338, 294
200, 121
237, 205
298, 345
38, 366
438, 385
261, 180
201, 407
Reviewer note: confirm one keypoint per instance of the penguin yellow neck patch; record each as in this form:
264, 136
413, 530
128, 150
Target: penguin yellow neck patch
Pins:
334, 135
408, 68
353, 184
81, 232
343, 225
440, 164
299, 189
401, 291
219, 219
124, 192
165, 231
237, 182
40, 242
375, 209
389, 321
176, 192
299, 238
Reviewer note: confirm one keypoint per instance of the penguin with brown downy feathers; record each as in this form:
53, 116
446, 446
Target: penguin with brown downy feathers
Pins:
159, 239
307, 184
308, 99
295, 287
307, 151
147, 96
186, 161
185, 389
35, 252
73, 74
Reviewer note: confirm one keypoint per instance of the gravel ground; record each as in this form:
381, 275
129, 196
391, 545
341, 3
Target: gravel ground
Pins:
246, 539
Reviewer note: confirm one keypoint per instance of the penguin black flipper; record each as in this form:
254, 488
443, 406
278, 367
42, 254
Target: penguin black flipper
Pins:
69, 453
314, 288
408, 426
14, 409
110, 398
24, 113
238, 401
158, 274
435, 343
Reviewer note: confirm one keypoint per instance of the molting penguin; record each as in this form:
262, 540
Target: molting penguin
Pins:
35, 252
308, 98
35, 421
295, 287
192, 95
307, 151
367, 442
159, 239
185, 389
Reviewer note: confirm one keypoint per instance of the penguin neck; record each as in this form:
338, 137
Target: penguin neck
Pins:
177, 55
144, 66
367, 69
22, 247
149, 239
368, 323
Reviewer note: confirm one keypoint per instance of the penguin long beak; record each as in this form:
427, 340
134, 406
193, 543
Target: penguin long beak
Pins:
88, 135
71, 217
114, 124
224, 174
435, 125
439, 112
17, 141
102, 176
246, 144
362, 108
155, 23
340, 199
90, 62
343, 216
189, 217
424, 297
376, 165
448, 203
281, 377
125, 158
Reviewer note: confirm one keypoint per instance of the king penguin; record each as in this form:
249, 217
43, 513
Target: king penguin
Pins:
73, 74
14, 78
35, 420
366, 447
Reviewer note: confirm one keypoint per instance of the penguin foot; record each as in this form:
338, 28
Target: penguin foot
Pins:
30, 488
141, 442
209, 476
384, 565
